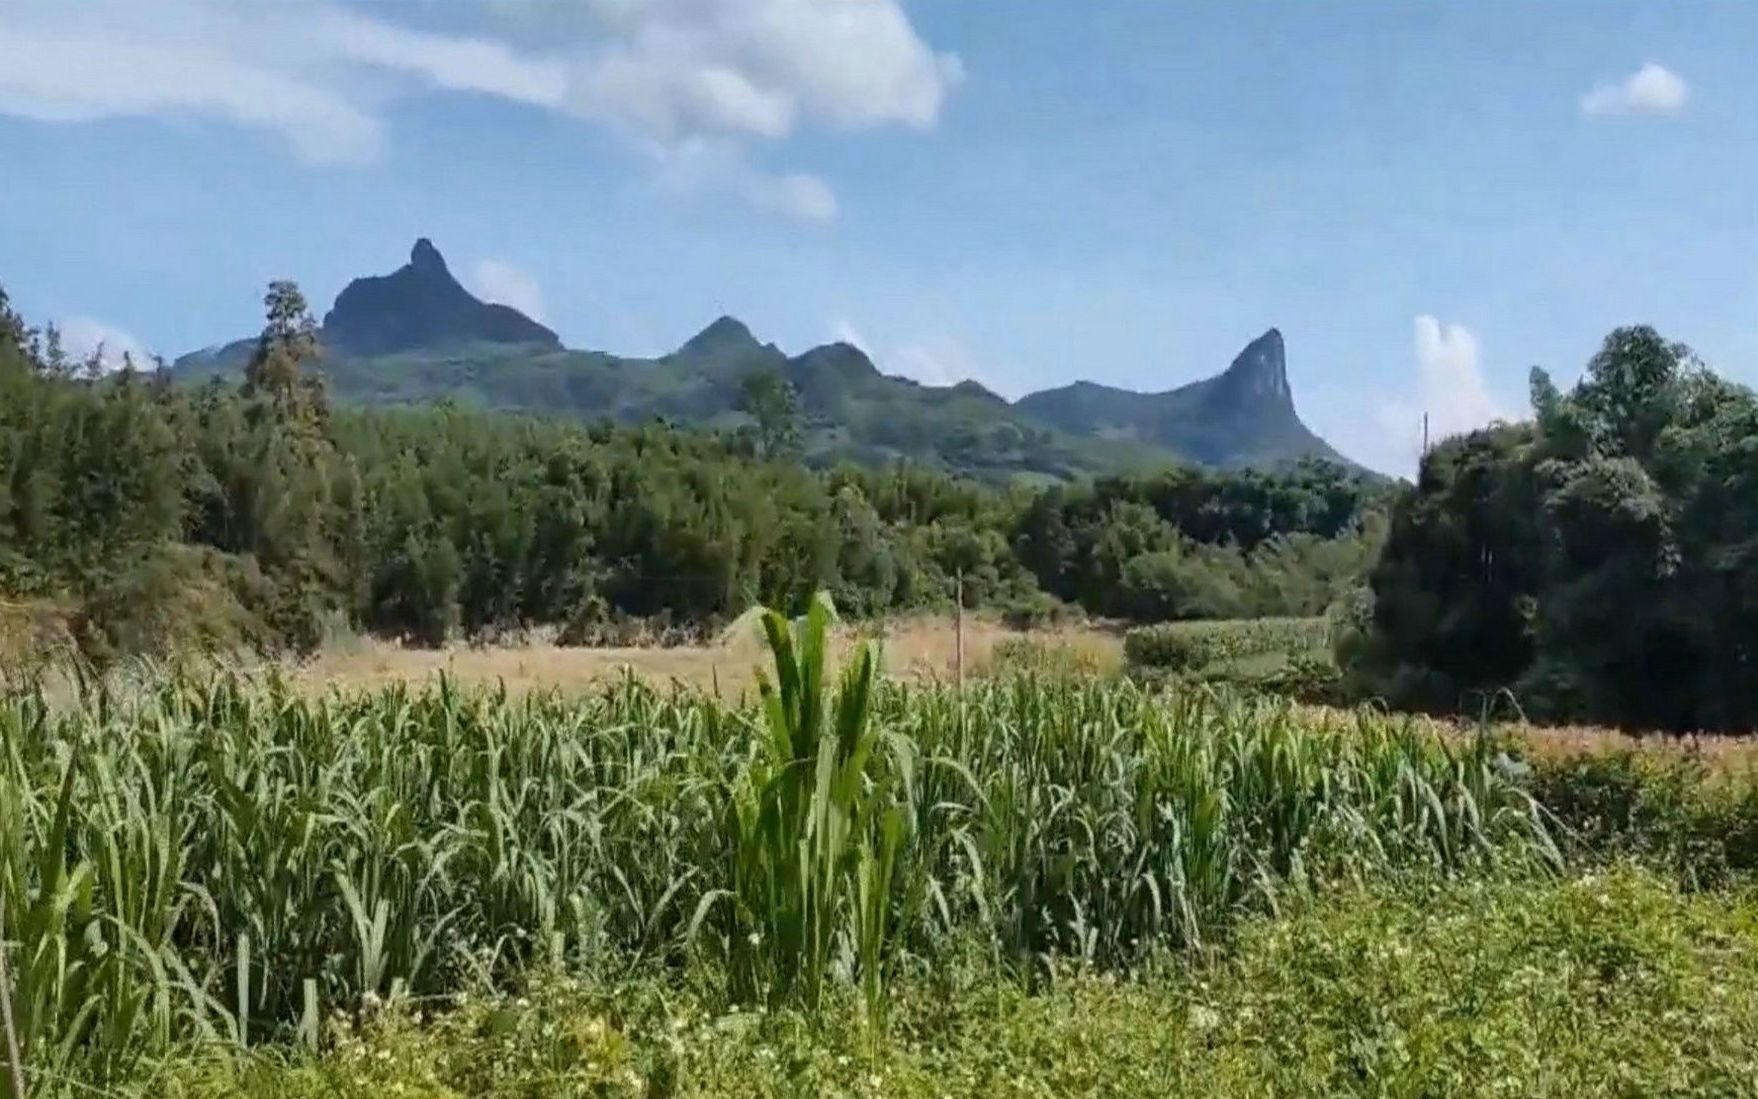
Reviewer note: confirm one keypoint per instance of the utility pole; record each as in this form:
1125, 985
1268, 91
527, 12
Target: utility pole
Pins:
958, 632
1425, 434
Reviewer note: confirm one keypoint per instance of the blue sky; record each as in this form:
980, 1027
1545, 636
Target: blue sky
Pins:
1426, 198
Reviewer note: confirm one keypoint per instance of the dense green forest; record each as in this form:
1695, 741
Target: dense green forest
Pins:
150, 516
1598, 563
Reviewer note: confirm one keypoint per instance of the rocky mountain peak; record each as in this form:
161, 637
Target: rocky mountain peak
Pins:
424, 257
722, 336
1261, 370
420, 305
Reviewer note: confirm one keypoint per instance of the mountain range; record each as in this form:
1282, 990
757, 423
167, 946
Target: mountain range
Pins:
417, 335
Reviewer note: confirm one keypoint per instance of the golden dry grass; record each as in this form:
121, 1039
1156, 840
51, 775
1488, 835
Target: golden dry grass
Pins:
1720, 753
924, 647
1725, 754
914, 648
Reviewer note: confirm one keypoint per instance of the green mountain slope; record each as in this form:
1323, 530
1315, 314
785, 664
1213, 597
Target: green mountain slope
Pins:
417, 336
1243, 416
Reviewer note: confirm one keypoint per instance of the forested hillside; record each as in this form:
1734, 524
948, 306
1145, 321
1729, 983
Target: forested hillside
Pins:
148, 515
1243, 416
416, 336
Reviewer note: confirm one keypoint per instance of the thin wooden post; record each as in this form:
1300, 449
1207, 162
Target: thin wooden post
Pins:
14, 1059
958, 631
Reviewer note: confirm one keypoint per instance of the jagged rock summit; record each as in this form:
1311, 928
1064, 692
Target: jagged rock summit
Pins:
417, 335
724, 336
420, 306
1242, 416
1260, 371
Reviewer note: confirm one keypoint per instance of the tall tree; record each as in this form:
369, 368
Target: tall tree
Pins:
1599, 562
772, 402
276, 376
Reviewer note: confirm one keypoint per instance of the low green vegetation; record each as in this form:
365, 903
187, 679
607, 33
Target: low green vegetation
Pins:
1290, 657
1679, 811
1195, 646
1041, 884
223, 860
1613, 985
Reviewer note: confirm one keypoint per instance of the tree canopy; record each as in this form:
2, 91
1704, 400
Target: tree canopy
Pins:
1599, 562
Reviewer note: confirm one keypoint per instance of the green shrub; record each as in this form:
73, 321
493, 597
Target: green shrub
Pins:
1035, 610
1191, 646
1304, 677
1612, 986
1671, 812
173, 602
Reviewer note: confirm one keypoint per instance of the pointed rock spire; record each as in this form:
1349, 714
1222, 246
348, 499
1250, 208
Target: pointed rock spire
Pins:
421, 305
425, 257
1261, 369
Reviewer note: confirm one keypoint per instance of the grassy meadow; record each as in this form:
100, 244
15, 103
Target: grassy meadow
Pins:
922, 647
1056, 881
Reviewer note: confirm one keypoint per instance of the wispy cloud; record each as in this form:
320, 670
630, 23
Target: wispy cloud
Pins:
82, 338
717, 166
1449, 388
940, 360
1653, 89
506, 283
671, 75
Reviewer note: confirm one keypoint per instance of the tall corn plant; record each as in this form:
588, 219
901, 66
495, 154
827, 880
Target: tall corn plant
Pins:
89, 884
819, 826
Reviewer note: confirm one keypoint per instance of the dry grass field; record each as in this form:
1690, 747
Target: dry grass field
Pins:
917, 648
1722, 754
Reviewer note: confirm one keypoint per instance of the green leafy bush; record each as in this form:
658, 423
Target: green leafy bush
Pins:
1191, 646
1305, 677
1673, 812
1035, 610
1611, 986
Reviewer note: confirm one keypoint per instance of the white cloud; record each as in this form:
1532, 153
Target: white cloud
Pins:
1652, 89
944, 362
716, 166
687, 68
1449, 388
179, 59
794, 194
497, 280
447, 61
672, 75
843, 331
939, 361
84, 337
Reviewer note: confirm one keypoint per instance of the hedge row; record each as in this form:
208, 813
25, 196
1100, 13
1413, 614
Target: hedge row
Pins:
1190, 646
